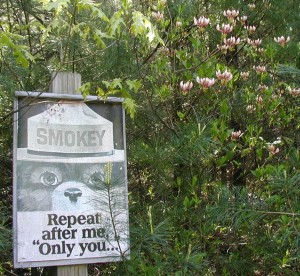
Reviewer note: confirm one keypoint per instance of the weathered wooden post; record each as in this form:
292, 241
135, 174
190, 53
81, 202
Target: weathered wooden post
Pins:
66, 83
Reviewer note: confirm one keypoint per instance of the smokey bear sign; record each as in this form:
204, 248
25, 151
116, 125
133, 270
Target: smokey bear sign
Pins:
70, 187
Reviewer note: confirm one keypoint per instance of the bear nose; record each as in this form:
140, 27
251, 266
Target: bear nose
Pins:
73, 194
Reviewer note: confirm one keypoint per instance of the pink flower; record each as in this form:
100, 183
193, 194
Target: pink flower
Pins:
224, 77
263, 87
251, 29
273, 150
178, 24
250, 108
294, 92
201, 22
260, 50
232, 41
243, 19
255, 42
282, 40
205, 82
245, 75
223, 48
259, 100
158, 15
186, 87
225, 29
230, 14
259, 69
236, 134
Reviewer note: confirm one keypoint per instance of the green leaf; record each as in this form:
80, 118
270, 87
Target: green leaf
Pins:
101, 34
116, 83
134, 85
56, 5
180, 115
106, 83
194, 180
20, 51
85, 88
20, 58
130, 106
228, 156
5, 40
141, 25
224, 107
99, 40
115, 23
100, 92
93, 7
186, 202
138, 26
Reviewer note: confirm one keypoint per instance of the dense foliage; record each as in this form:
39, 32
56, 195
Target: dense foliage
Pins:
212, 92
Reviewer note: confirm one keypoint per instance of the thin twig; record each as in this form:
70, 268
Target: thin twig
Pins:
268, 212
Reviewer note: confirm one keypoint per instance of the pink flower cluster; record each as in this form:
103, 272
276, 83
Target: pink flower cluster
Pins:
205, 82
259, 69
223, 48
201, 22
236, 134
263, 87
225, 28
259, 99
245, 75
186, 87
158, 15
229, 44
232, 41
224, 77
251, 29
230, 14
250, 108
254, 43
178, 24
282, 40
273, 150
243, 19
294, 91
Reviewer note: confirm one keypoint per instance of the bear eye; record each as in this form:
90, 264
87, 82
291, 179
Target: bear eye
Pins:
49, 179
96, 179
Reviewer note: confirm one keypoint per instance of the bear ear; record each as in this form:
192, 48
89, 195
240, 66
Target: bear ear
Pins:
24, 171
24, 167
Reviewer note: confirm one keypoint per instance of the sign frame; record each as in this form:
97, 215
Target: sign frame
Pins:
20, 116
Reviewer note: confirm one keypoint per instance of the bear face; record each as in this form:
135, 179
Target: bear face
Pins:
70, 187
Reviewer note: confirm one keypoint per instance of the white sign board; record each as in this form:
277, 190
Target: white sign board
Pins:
70, 180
